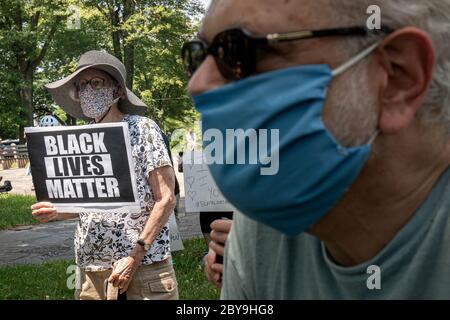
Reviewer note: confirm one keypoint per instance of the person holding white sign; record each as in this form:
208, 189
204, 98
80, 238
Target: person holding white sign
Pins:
128, 253
191, 140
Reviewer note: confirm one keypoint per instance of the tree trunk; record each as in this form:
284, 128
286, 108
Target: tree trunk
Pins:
129, 64
22, 139
128, 47
115, 21
26, 97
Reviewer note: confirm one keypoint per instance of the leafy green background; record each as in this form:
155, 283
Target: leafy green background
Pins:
38, 46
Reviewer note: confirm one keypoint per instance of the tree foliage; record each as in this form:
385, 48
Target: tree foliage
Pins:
38, 46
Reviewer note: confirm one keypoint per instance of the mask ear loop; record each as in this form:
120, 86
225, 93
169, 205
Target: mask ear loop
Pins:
374, 137
350, 63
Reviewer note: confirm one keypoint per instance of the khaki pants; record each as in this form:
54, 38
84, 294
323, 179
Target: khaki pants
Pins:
150, 282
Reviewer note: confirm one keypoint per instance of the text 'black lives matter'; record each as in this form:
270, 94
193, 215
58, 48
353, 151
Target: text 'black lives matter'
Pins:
86, 166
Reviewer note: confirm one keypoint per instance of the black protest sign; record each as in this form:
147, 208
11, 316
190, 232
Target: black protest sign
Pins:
83, 168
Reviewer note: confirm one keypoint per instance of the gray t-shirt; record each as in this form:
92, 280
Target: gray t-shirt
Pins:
261, 263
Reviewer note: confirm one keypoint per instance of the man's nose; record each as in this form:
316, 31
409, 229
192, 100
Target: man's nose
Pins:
206, 78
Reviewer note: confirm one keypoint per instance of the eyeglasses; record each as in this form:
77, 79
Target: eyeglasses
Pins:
235, 51
96, 83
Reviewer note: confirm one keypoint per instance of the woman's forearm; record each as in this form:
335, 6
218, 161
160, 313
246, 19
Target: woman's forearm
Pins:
67, 216
158, 218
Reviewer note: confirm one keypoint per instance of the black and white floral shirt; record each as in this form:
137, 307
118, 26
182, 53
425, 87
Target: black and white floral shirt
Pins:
104, 238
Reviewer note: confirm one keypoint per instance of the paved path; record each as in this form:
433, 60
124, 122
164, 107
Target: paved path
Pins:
38, 243
53, 241
21, 184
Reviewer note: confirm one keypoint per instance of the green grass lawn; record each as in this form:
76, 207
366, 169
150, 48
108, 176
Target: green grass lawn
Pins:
49, 280
15, 211
43, 281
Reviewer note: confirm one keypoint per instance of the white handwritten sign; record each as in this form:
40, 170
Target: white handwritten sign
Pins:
176, 243
202, 193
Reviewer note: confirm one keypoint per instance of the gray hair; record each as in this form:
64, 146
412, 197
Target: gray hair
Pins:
431, 16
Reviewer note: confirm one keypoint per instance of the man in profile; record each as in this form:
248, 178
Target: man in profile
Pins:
383, 96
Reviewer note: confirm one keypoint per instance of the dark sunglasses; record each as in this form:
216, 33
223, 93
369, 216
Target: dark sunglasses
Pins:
235, 51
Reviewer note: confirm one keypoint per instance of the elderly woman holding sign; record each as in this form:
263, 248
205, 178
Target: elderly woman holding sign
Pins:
120, 255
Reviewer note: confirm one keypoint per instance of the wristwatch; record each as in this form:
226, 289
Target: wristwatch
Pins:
143, 245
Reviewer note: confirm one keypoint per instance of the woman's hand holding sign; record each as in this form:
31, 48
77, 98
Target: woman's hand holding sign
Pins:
44, 211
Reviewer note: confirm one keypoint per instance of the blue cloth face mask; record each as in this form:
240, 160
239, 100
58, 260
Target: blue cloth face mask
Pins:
314, 170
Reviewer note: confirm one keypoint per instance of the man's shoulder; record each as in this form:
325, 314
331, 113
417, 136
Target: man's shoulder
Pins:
250, 236
258, 258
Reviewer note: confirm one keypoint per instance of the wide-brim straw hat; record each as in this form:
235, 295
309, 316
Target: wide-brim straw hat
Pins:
63, 91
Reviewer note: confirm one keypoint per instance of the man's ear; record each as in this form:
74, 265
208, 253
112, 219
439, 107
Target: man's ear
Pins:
407, 57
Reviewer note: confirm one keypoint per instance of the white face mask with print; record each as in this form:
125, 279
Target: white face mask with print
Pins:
96, 103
